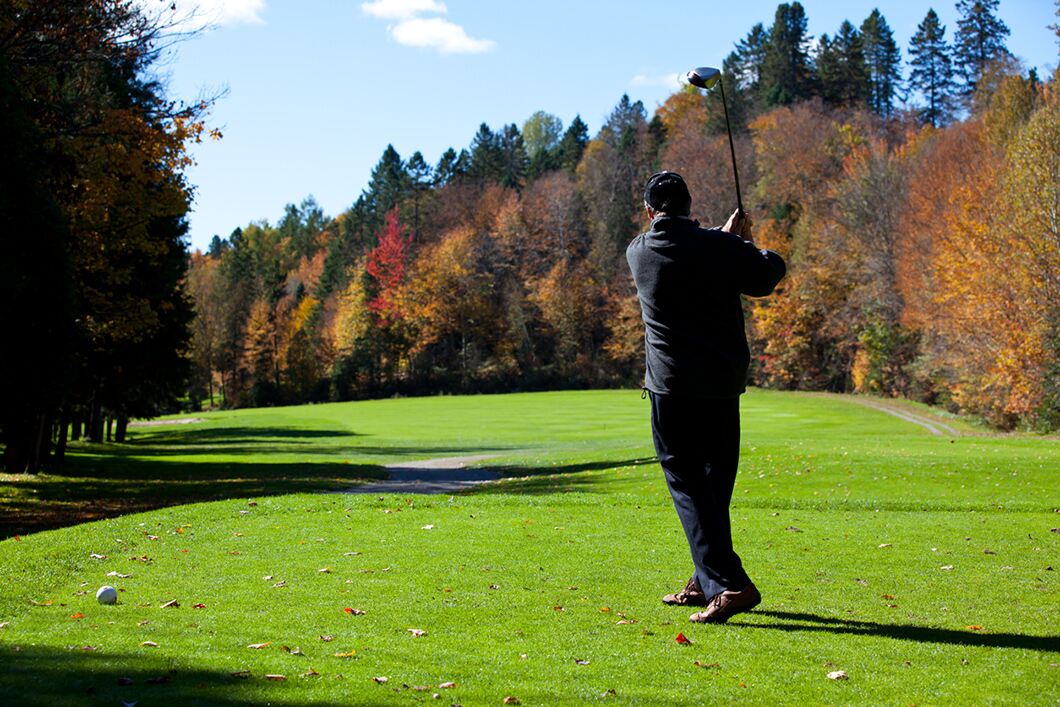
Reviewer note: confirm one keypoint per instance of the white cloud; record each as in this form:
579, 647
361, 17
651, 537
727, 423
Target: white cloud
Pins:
401, 9
670, 81
192, 15
436, 33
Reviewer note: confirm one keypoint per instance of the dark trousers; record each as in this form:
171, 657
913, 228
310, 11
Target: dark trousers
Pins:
698, 444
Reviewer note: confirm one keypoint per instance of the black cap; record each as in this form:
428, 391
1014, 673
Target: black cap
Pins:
667, 193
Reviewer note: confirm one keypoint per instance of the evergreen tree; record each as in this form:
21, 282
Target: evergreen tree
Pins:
787, 74
388, 184
620, 130
827, 69
932, 72
853, 84
745, 67
883, 61
513, 157
980, 39
217, 247
486, 159
572, 144
451, 166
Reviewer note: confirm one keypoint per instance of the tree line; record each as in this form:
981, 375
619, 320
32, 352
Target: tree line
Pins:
923, 249
94, 314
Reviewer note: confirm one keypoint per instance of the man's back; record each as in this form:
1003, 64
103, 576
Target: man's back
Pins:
689, 281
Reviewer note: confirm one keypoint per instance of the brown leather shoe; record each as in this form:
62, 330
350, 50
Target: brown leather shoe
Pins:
691, 595
727, 604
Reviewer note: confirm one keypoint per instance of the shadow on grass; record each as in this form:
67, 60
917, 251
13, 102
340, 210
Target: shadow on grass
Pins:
107, 480
49, 676
904, 632
553, 479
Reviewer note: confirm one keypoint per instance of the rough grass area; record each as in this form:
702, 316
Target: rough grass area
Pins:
919, 564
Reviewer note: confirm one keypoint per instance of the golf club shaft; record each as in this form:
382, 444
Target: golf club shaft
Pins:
732, 150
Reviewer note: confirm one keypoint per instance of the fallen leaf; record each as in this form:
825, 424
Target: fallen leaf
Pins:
97, 556
277, 678
793, 529
241, 674
682, 639
428, 527
862, 582
252, 503
882, 545
200, 605
280, 585
355, 612
119, 575
89, 648
78, 615
624, 622
351, 554
149, 644
887, 596
46, 602
381, 679
837, 675
152, 537
946, 567
975, 627
259, 646
311, 673
420, 688
172, 604
327, 639
557, 607
495, 586
510, 700
605, 609
4, 624
324, 570
447, 685
293, 651
348, 654
268, 578
700, 664
417, 632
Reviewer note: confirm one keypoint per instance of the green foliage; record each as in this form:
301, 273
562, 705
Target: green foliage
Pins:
932, 70
883, 62
787, 73
979, 41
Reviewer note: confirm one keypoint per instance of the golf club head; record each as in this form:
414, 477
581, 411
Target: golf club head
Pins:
703, 76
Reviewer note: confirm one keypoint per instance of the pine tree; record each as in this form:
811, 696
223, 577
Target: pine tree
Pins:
487, 160
572, 144
826, 61
745, 64
451, 166
980, 39
883, 61
853, 78
388, 183
513, 157
932, 72
787, 75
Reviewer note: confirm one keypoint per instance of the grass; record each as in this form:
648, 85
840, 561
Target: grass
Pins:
921, 565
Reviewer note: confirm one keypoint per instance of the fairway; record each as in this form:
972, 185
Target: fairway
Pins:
920, 562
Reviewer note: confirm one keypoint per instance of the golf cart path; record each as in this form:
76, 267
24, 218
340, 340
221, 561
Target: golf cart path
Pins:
931, 424
441, 475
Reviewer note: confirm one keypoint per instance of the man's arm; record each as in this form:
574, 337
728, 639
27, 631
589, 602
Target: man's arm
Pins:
757, 272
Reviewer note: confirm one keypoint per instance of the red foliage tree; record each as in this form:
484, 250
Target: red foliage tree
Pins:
387, 263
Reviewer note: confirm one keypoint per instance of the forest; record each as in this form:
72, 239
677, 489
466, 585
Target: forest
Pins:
914, 193
915, 201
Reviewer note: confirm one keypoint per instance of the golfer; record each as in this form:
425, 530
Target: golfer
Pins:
689, 281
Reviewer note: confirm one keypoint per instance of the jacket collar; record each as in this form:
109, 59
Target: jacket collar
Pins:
666, 222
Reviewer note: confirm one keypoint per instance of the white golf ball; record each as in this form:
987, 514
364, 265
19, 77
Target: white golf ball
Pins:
107, 595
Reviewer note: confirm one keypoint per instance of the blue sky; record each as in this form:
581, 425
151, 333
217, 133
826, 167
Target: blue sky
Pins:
317, 88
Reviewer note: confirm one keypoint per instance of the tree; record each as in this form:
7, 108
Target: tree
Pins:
451, 166
979, 40
514, 161
572, 144
541, 134
883, 62
487, 159
848, 82
787, 75
932, 72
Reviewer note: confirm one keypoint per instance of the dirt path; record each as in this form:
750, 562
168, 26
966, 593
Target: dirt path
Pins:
931, 424
443, 475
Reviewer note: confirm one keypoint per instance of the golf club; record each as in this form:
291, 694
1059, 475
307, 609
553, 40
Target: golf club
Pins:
706, 77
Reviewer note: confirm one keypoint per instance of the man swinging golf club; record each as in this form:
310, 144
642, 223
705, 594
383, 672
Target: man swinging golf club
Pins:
689, 282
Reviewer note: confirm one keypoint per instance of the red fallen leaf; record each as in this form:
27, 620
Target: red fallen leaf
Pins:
354, 612
78, 615
975, 627
183, 550
200, 605
18, 538
682, 639
887, 596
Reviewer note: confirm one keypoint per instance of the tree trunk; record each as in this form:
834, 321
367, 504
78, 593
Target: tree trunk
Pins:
60, 439
94, 424
75, 427
40, 442
106, 427
121, 427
